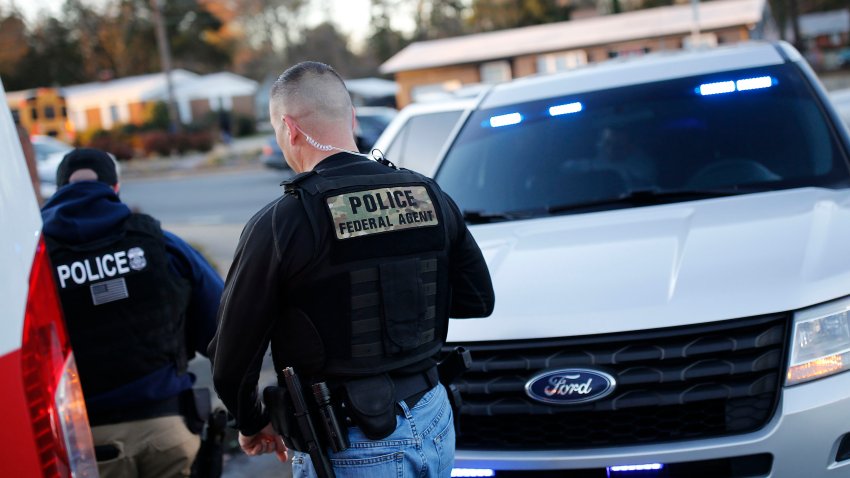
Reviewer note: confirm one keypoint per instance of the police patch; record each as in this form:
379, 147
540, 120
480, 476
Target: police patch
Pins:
137, 259
361, 213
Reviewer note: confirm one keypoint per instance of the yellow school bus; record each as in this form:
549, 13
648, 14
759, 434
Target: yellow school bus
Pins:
42, 111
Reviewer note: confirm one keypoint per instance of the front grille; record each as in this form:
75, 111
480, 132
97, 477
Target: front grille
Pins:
672, 384
747, 466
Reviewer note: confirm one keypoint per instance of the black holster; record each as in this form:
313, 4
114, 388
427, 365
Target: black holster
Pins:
450, 368
195, 407
209, 462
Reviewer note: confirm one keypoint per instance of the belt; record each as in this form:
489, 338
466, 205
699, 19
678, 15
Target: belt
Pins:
160, 408
411, 388
408, 389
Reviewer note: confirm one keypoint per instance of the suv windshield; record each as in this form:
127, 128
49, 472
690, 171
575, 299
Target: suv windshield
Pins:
731, 133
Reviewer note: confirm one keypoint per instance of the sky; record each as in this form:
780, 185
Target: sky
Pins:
350, 16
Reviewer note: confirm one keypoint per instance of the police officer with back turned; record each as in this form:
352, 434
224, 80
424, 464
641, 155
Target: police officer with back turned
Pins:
351, 276
138, 303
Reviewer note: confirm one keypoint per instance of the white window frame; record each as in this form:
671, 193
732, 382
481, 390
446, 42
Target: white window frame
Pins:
561, 61
494, 72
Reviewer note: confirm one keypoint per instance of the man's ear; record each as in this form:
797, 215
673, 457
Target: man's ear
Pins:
117, 187
292, 129
353, 119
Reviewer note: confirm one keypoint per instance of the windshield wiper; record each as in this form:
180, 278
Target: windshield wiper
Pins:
643, 197
647, 197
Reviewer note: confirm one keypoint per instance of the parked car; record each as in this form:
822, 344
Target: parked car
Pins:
668, 241
49, 152
371, 122
272, 156
45, 429
414, 138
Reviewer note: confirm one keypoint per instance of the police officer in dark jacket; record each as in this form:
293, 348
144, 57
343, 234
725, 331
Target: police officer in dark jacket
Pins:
351, 276
138, 302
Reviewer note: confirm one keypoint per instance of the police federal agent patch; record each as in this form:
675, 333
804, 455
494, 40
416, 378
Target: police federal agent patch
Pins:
375, 211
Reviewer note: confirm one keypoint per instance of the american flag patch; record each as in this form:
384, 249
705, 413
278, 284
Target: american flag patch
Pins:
109, 291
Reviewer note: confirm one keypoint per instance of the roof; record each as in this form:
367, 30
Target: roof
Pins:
372, 87
823, 23
650, 23
121, 90
15, 97
650, 68
152, 87
212, 85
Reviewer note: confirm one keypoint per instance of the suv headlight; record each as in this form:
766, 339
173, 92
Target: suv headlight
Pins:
821, 342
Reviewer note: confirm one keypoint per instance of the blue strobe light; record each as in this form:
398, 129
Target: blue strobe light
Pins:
565, 109
505, 120
754, 83
717, 88
472, 472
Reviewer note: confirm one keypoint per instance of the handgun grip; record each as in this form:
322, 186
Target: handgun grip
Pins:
280, 410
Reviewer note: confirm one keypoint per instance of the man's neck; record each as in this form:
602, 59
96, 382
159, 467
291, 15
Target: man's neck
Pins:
315, 156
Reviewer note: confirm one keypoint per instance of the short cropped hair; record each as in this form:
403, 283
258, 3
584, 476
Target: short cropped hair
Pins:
314, 83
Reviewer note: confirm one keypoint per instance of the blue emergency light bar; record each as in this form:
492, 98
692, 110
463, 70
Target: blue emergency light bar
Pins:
472, 472
505, 120
566, 109
745, 84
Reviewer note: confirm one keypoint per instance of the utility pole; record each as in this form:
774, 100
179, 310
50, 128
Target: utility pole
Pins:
695, 32
165, 61
794, 13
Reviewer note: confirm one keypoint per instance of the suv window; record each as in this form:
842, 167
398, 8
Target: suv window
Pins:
419, 141
667, 140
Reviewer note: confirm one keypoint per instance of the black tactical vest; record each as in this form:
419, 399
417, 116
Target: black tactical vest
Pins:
124, 308
376, 295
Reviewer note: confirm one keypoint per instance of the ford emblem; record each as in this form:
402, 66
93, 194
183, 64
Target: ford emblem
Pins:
569, 386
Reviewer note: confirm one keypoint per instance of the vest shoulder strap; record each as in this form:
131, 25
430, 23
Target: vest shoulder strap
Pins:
293, 184
145, 224
317, 184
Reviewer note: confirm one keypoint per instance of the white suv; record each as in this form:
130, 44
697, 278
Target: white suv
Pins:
669, 240
45, 430
415, 137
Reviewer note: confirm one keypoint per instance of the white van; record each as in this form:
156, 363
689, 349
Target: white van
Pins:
45, 430
669, 240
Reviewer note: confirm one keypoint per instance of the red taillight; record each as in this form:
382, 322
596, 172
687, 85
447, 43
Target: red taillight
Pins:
51, 385
267, 150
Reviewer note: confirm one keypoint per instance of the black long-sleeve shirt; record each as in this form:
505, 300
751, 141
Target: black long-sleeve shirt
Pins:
276, 245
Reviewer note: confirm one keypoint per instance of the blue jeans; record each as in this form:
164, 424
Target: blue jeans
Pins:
422, 446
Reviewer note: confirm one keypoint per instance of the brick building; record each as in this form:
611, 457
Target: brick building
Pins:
428, 67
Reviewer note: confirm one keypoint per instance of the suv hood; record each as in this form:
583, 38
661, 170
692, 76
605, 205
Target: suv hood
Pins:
662, 266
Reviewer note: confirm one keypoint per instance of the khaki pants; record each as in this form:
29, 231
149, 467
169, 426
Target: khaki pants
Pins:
156, 447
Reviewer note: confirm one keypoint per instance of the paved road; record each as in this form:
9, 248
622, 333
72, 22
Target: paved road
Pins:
209, 211
230, 197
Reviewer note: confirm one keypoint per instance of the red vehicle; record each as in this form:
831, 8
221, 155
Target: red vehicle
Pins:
45, 430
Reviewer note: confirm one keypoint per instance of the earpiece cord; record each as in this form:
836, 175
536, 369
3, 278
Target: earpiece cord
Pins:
376, 154
328, 147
